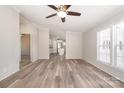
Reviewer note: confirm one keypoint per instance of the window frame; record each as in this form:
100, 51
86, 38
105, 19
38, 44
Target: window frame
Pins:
98, 46
113, 47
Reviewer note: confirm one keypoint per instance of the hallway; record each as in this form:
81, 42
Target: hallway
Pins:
25, 60
58, 72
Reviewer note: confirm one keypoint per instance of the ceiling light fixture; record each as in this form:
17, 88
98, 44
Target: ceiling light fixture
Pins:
61, 14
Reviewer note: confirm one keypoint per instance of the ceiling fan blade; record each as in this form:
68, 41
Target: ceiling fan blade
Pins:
73, 13
51, 15
63, 19
66, 6
53, 7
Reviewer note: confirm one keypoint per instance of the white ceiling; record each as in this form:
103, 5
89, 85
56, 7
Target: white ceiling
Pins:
91, 16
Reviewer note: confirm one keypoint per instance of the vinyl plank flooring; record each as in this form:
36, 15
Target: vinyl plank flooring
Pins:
58, 72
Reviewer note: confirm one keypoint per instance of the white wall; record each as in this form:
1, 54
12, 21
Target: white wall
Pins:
74, 45
44, 43
90, 47
9, 41
39, 40
28, 28
34, 44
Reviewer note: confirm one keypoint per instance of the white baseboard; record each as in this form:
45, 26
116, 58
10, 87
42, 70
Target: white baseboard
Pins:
108, 69
5, 75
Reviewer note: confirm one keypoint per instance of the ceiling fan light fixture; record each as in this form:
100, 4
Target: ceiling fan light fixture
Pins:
61, 14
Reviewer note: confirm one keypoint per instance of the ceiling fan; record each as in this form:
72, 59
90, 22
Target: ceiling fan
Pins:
62, 12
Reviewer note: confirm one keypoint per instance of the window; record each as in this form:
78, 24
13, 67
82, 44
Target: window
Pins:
119, 45
110, 46
104, 45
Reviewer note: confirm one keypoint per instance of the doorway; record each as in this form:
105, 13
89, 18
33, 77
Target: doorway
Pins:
25, 50
57, 47
61, 47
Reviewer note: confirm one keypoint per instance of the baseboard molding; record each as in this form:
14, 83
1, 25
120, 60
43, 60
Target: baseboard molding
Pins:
115, 73
6, 75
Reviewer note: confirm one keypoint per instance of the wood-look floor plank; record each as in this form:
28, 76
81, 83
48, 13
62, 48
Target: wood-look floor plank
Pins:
58, 72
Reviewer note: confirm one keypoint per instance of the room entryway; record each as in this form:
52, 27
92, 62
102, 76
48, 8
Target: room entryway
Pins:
57, 44
25, 50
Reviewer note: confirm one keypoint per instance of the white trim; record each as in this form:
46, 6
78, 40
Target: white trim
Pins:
104, 68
